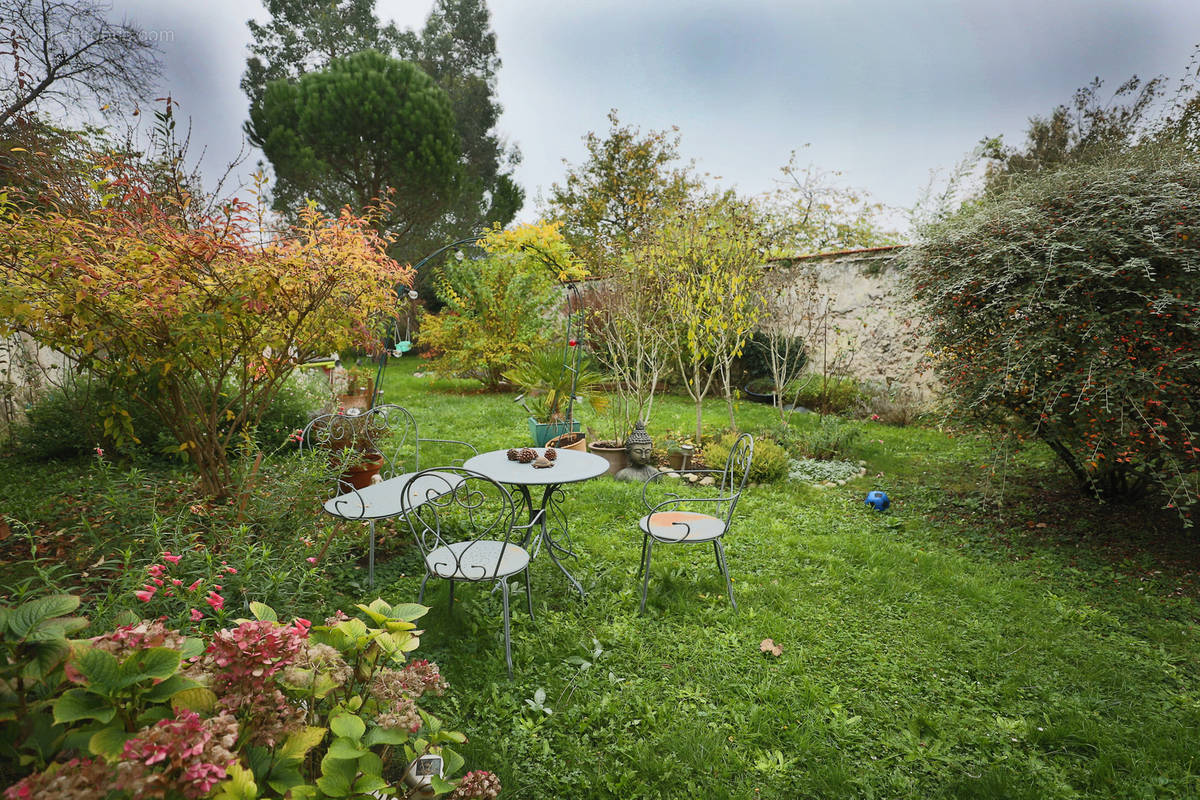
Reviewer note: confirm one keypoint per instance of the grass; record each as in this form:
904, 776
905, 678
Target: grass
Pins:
948, 648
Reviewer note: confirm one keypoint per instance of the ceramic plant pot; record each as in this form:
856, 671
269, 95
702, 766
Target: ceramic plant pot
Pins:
361, 475
569, 441
615, 454
543, 432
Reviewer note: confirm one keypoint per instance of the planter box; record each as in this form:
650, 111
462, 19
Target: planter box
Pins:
543, 432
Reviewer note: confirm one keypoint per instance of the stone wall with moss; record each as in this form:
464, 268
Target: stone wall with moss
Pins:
871, 323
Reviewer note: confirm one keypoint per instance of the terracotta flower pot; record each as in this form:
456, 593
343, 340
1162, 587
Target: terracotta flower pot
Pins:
615, 454
361, 475
569, 441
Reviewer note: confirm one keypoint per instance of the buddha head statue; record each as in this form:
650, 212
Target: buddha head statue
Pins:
639, 445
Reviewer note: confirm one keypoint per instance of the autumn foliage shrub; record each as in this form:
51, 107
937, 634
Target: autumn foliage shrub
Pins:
199, 310
1065, 307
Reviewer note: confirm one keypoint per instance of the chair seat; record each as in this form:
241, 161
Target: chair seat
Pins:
481, 560
382, 499
682, 526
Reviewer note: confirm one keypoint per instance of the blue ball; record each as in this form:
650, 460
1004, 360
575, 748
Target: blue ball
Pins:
878, 500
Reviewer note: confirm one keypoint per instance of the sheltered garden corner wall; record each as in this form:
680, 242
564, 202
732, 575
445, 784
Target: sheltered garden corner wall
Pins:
871, 320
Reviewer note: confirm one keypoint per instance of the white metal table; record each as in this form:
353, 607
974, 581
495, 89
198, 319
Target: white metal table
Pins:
571, 466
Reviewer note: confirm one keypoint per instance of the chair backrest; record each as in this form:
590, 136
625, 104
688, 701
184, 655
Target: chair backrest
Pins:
737, 472
466, 518
388, 430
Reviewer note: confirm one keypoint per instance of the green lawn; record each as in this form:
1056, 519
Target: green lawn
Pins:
947, 648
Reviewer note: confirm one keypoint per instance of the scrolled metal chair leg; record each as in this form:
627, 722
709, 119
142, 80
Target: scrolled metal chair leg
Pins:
421, 594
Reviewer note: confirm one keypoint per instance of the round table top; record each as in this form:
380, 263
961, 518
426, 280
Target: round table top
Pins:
571, 466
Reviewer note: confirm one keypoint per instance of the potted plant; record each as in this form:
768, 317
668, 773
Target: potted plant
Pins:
612, 449
353, 439
546, 387
681, 453
360, 389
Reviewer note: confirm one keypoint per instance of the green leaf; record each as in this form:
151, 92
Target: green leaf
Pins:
262, 611
347, 725
57, 628
300, 742
240, 784
100, 669
346, 748
45, 658
386, 736
109, 741
432, 723
409, 611
28, 616
77, 704
126, 617
441, 785
196, 698
167, 689
453, 761
367, 784
336, 776
157, 662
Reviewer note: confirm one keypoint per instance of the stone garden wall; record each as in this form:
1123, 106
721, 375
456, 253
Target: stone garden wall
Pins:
871, 324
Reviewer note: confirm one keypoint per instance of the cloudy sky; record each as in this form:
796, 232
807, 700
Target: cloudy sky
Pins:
883, 91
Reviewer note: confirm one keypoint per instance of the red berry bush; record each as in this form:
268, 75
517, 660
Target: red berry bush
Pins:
1066, 308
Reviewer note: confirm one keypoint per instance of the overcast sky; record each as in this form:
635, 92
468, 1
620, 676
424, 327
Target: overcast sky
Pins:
883, 91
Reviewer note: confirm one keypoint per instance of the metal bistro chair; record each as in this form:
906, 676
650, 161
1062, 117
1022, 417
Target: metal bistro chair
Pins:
466, 526
668, 524
388, 434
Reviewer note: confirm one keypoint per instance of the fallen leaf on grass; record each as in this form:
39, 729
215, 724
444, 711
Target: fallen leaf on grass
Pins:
769, 646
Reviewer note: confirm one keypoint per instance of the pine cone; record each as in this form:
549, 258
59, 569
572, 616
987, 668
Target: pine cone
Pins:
526, 455
550, 453
512, 454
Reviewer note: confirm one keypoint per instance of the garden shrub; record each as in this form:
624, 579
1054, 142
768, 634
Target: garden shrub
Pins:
832, 437
497, 307
897, 405
833, 394
770, 461
68, 420
1064, 307
257, 709
813, 470
178, 305
755, 361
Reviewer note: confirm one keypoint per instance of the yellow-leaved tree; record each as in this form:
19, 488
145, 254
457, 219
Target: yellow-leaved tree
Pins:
498, 306
709, 253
